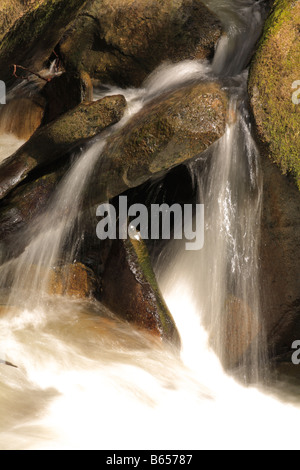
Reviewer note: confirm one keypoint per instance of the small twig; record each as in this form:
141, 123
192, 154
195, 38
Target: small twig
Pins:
27, 70
8, 364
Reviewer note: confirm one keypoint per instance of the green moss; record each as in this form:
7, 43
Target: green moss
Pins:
274, 70
32, 38
138, 249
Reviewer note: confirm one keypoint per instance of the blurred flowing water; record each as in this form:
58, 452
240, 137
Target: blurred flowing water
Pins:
86, 380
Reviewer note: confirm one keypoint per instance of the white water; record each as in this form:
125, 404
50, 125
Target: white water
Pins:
87, 381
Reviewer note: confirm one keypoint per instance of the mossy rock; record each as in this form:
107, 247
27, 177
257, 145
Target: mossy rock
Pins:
32, 38
11, 11
169, 131
130, 290
274, 71
53, 141
123, 41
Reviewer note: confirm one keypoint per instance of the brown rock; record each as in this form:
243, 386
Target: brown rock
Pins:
64, 93
130, 290
21, 117
177, 127
11, 11
123, 41
74, 280
274, 71
53, 141
32, 38
26, 202
280, 254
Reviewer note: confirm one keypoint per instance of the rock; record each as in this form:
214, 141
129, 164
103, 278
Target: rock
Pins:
53, 141
166, 133
74, 280
21, 117
25, 203
64, 93
32, 38
11, 11
280, 254
122, 41
241, 329
130, 290
274, 71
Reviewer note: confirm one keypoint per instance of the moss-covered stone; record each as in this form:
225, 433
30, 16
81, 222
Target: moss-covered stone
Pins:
177, 127
123, 41
53, 141
130, 290
34, 35
11, 11
273, 73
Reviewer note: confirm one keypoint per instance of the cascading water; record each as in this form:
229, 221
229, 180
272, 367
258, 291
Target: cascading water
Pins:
223, 278
91, 381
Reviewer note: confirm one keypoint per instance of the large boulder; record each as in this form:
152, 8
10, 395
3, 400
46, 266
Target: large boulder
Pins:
280, 267
53, 141
11, 11
130, 290
32, 38
274, 72
123, 41
167, 132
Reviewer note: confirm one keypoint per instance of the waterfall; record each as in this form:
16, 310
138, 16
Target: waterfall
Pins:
223, 278
30, 273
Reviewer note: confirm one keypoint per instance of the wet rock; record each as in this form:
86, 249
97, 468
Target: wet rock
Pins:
25, 203
130, 290
74, 280
121, 42
53, 141
64, 93
166, 133
274, 71
32, 38
280, 254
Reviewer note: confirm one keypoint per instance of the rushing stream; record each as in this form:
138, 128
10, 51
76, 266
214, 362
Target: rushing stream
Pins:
87, 380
